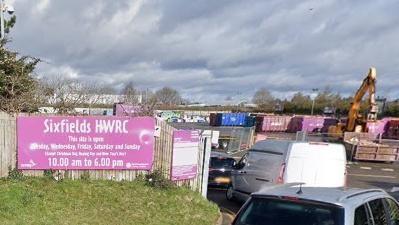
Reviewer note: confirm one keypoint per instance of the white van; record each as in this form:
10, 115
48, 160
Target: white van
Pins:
271, 162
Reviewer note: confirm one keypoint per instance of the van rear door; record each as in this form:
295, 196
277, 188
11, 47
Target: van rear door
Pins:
316, 164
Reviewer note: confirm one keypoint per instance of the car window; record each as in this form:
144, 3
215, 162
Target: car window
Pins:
378, 212
221, 162
265, 211
243, 160
393, 211
362, 217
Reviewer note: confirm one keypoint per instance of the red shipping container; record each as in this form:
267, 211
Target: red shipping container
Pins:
310, 124
272, 123
392, 129
377, 128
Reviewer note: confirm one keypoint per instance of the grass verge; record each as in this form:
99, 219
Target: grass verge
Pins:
43, 201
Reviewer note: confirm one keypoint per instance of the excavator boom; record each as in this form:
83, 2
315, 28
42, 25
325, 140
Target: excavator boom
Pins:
368, 85
355, 119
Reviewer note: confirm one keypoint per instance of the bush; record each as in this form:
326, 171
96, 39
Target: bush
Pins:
15, 174
49, 174
157, 180
85, 176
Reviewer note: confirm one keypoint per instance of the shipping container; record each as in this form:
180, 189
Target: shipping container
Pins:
311, 124
231, 119
213, 119
377, 128
328, 122
250, 121
272, 123
392, 129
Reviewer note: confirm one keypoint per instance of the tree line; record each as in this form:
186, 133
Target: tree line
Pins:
324, 101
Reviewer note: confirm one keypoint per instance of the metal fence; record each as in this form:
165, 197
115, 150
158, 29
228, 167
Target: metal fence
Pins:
163, 151
236, 139
230, 139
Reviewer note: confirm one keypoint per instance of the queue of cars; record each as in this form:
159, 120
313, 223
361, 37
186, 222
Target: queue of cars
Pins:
288, 182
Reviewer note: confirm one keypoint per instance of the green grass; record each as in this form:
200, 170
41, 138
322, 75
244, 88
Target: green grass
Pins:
43, 201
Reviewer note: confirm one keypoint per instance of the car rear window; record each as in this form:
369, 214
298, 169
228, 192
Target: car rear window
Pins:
274, 211
221, 162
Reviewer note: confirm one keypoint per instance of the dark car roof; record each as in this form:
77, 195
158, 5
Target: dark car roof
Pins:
220, 155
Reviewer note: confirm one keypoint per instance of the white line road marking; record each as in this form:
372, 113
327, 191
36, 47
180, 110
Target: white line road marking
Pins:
368, 175
365, 168
387, 169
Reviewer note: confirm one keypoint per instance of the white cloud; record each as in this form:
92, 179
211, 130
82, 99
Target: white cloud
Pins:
41, 6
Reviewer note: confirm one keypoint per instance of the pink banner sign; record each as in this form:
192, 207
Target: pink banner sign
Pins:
185, 154
85, 143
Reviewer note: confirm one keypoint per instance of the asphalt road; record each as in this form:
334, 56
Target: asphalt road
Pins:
360, 175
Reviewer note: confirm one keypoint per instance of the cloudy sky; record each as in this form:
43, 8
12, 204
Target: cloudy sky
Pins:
212, 49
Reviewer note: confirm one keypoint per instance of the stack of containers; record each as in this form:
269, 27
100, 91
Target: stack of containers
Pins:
272, 123
310, 124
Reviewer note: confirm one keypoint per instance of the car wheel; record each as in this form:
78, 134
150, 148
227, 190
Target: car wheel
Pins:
230, 193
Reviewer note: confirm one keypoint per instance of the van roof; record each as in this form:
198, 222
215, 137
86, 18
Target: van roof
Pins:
279, 146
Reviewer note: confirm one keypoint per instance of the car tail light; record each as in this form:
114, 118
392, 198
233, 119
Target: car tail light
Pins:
280, 178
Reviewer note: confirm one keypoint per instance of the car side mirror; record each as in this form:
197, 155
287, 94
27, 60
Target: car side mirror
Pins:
239, 166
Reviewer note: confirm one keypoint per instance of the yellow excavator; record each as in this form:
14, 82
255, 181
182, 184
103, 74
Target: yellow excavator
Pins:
356, 122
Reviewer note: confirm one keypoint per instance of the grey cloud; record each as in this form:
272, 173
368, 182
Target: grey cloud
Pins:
213, 49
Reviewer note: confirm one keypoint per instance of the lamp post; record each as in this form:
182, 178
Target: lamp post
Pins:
2, 18
3, 9
314, 98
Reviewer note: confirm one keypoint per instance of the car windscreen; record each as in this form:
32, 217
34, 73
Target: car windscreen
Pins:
221, 162
275, 211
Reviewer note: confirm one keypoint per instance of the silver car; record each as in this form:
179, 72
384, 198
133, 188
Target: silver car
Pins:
294, 205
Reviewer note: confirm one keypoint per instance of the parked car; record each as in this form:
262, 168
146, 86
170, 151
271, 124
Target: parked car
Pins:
272, 162
322, 206
220, 167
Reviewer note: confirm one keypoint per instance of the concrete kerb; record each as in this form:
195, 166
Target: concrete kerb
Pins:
220, 219
227, 216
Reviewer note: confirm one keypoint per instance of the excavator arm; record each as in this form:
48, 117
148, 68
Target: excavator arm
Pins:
368, 85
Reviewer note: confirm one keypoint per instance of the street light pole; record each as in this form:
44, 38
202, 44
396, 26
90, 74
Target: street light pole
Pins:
2, 19
312, 107
314, 98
